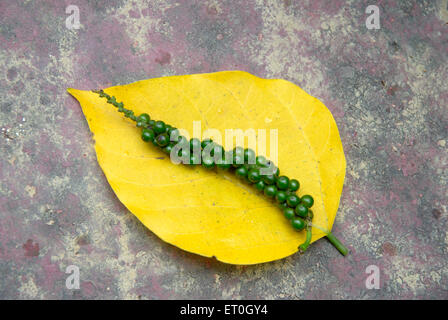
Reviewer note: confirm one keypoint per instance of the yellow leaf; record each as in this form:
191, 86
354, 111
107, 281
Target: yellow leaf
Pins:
203, 211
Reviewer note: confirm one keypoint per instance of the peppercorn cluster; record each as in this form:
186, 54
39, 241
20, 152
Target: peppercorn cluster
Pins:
243, 162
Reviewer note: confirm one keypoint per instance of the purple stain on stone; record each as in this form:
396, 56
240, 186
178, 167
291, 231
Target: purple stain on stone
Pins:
31, 248
163, 58
12, 74
389, 249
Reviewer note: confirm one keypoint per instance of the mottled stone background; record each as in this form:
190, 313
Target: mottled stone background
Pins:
387, 89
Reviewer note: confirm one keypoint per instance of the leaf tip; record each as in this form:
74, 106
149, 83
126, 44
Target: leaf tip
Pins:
71, 90
74, 92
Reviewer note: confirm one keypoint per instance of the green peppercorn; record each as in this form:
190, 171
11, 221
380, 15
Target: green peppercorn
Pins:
151, 123
273, 171
174, 134
144, 117
270, 191
268, 179
217, 151
222, 165
194, 159
238, 160
238, 151
147, 135
294, 185
282, 182
168, 149
292, 200
209, 151
253, 175
173, 131
288, 213
268, 164
241, 172
162, 140
195, 144
206, 142
141, 124
298, 223
205, 154
283, 205
208, 163
301, 210
260, 185
167, 129
307, 201
184, 153
249, 156
227, 157
280, 196
183, 141
159, 126
310, 214
260, 161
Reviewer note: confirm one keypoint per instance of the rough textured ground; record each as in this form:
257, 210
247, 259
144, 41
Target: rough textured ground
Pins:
387, 90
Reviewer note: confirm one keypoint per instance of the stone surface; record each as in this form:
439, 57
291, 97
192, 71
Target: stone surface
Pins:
386, 88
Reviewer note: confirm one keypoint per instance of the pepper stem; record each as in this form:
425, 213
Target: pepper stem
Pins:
333, 240
338, 244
